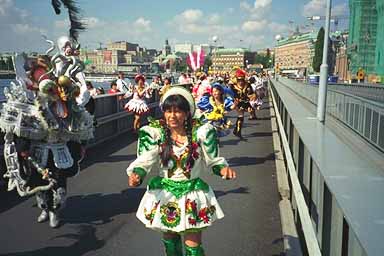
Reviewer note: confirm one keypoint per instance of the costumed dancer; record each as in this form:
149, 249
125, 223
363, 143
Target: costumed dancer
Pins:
137, 104
215, 106
44, 127
243, 92
51, 154
201, 87
68, 64
44, 121
177, 201
166, 86
256, 100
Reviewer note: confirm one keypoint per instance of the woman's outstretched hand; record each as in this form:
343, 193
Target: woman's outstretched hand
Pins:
227, 173
134, 180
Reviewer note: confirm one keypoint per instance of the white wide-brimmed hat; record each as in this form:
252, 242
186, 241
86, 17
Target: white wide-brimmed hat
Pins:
179, 90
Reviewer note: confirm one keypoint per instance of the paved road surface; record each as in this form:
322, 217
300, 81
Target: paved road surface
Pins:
100, 215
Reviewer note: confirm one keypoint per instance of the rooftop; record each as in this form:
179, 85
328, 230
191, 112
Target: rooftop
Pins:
297, 38
231, 50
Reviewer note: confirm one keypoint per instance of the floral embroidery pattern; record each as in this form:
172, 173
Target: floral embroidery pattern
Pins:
179, 162
150, 215
170, 214
203, 215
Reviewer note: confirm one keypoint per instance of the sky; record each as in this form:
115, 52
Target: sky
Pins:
250, 24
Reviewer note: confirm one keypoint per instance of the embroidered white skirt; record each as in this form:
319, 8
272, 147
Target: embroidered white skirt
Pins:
161, 210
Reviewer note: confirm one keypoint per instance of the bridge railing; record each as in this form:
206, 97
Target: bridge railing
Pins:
112, 119
364, 116
333, 184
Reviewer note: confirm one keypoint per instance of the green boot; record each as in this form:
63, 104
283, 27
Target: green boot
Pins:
194, 251
173, 246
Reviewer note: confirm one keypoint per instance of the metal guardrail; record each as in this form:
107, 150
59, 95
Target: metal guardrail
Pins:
374, 93
312, 245
112, 119
342, 187
364, 116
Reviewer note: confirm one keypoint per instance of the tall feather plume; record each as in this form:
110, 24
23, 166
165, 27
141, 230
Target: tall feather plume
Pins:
56, 5
74, 16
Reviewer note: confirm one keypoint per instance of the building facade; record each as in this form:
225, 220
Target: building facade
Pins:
295, 52
363, 21
224, 60
341, 65
118, 56
204, 47
184, 48
379, 55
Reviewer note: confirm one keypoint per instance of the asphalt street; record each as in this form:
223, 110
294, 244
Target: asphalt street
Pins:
99, 218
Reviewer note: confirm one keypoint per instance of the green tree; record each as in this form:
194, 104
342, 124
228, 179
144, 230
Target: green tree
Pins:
318, 58
269, 59
207, 62
262, 59
181, 65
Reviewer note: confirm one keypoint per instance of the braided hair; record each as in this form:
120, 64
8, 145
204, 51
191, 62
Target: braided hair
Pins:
181, 103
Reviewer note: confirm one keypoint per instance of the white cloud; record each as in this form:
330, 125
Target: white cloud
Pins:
278, 28
138, 31
251, 33
245, 6
194, 21
259, 9
142, 24
214, 19
262, 3
61, 23
92, 22
24, 29
318, 8
5, 5
19, 28
314, 7
190, 16
253, 25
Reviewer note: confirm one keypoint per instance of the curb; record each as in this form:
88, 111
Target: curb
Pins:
291, 239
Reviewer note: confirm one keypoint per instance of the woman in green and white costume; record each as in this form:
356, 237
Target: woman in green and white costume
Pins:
177, 202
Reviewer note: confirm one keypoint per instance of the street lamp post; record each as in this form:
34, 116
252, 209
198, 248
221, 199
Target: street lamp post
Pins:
322, 95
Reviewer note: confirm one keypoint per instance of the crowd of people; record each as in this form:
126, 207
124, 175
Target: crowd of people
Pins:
214, 95
180, 146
